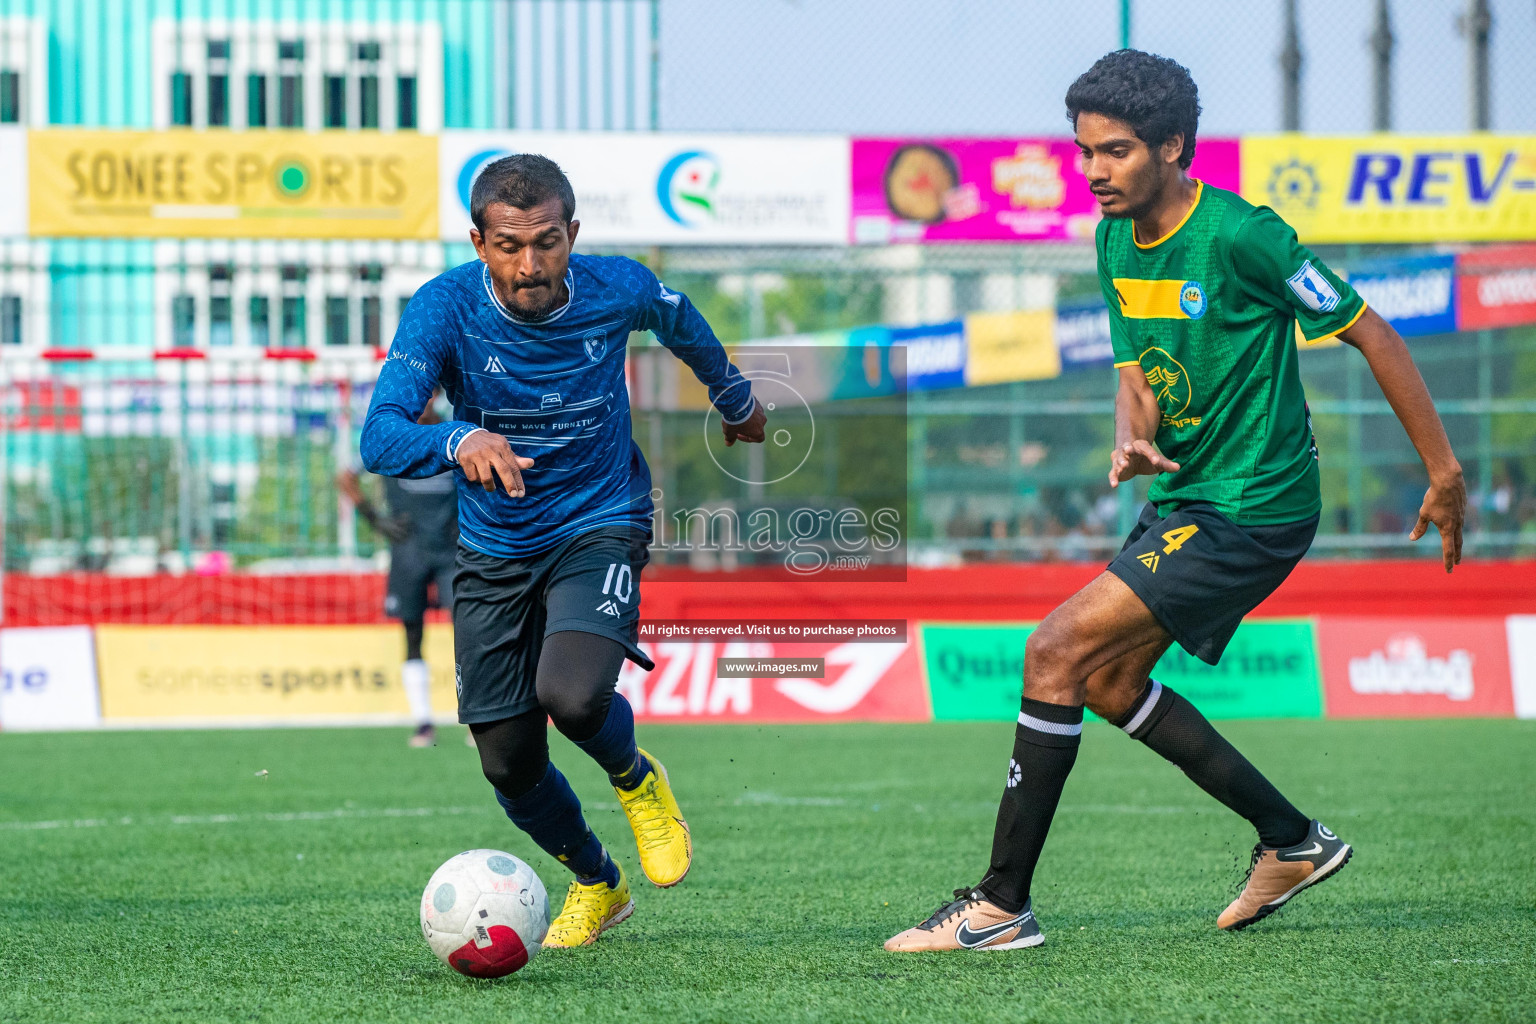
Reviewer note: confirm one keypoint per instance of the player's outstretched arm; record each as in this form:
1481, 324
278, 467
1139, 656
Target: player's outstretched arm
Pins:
1445, 503
1137, 417
684, 331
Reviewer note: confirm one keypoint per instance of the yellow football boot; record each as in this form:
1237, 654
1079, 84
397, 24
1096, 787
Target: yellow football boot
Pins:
589, 911
661, 834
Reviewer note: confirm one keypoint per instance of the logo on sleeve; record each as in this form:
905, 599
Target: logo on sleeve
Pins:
1313, 289
669, 296
1192, 300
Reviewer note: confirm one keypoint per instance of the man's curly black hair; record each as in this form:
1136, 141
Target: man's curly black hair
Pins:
1152, 94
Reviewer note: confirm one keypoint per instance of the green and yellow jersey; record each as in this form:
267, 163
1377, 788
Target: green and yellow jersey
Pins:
1209, 312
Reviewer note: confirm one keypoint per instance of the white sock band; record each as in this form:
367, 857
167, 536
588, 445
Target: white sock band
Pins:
1146, 708
1029, 721
416, 680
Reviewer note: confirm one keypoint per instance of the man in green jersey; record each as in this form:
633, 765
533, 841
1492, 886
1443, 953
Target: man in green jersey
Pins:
1206, 295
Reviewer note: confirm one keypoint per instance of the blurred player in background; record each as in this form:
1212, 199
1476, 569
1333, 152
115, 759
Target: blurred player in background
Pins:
1206, 293
554, 508
421, 523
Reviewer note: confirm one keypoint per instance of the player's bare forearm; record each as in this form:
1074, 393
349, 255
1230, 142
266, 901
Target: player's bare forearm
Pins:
1137, 417
1445, 503
346, 482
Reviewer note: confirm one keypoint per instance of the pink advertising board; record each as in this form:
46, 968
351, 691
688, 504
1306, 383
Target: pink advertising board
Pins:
988, 190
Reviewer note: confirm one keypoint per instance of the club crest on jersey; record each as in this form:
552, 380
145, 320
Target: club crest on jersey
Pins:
1192, 300
596, 343
1313, 289
1170, 382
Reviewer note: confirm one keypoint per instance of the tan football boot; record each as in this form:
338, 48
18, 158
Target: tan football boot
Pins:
1275, 875
970, 921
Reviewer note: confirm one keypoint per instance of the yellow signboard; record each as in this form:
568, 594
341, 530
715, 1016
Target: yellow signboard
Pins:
265, 673
1011, 346
222, 184
1396, 188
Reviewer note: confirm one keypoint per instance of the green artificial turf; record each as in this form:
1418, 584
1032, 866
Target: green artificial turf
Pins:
157, 877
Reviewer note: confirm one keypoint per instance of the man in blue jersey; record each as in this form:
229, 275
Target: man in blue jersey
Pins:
554, 510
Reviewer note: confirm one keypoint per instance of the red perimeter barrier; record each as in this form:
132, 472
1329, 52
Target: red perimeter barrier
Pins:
977, 592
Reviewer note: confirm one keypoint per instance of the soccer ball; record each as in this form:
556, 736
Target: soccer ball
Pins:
485, 913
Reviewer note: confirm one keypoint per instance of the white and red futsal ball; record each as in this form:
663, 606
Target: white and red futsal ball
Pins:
485, 913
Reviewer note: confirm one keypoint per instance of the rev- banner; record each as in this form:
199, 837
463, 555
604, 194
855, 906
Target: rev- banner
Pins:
1396, 188
217, 184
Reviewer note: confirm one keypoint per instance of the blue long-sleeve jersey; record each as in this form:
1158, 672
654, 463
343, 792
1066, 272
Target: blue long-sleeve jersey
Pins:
553, 387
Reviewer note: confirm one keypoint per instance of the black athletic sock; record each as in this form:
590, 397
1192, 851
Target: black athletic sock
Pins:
1044, 748
1173, 727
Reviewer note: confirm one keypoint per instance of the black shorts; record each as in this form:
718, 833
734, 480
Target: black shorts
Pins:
412, 568
504, 608
1200, 573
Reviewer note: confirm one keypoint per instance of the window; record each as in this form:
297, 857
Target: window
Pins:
255, 100
373, 320
221, 306
368, 101
368, 56
295, 315
290, 83
183, 321
218, 101
181, 99
405, 300
290, 101
261, 72
294, 321
337, 320
261, 321
218, 83
335, 101
10, 319
10, 97
371, 278
405, 101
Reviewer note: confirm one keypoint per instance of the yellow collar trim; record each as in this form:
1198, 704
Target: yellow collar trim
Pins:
1199, 190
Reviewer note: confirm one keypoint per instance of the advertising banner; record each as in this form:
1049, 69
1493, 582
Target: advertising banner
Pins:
988, 190
13, 181
1396, 188
1415, 667
1497, 287
1522, 662
217, 184
1011, 346
935, 355
657, 188
271, 673
869, 682
1082, 334
47, 679
975, 672
1416, 295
